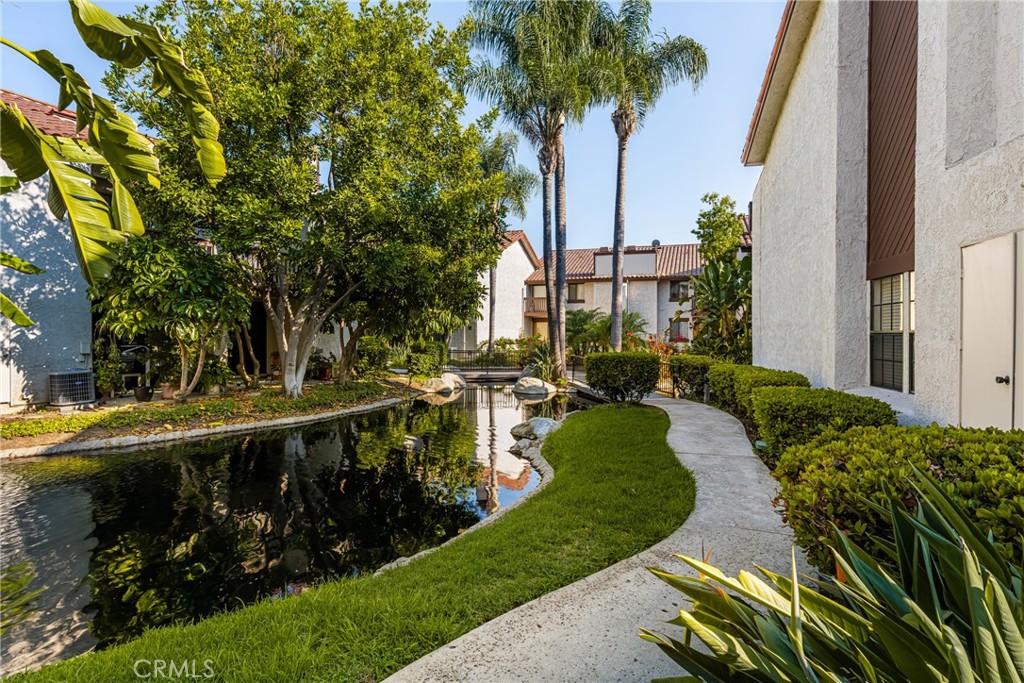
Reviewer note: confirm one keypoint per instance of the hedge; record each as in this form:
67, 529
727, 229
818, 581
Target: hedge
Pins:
722, 383
623, 377
746, 378
789, 416
837, 477
373, 356
689, 373
427, 358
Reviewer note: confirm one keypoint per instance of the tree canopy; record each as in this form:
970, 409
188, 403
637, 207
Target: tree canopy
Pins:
353, 192
719, 228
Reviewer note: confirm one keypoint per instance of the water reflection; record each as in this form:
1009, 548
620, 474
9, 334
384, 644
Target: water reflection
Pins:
103, 547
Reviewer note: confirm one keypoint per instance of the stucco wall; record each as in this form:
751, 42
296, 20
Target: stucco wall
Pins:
979, 195
513, 268
794, 315
56, 300
642, 297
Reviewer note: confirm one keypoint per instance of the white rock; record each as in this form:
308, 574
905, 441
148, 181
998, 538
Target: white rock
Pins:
438, 385
533, 386
455, 379
535, 428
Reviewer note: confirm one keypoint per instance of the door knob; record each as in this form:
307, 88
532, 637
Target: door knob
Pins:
1005, 379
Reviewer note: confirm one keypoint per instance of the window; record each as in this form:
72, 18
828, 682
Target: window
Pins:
677, 290
576, 294
892, 332
679, 328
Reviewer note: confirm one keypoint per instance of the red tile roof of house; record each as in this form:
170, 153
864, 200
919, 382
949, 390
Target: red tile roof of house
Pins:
44, 116
512, 236
672, 261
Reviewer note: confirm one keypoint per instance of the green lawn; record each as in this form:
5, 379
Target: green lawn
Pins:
618, 488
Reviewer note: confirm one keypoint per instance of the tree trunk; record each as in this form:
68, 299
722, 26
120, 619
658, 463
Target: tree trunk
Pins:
186, 386
242, 371
618, 246
546, 158
251, 352
492, 306
349, 356
183, 380
560, 283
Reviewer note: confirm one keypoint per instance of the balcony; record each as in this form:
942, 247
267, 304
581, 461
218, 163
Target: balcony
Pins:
535, 306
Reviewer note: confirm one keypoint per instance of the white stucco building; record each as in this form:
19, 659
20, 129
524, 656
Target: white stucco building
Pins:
887, 258
517, 262
55, 300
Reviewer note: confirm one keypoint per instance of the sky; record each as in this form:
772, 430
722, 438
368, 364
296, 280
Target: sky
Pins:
690, 144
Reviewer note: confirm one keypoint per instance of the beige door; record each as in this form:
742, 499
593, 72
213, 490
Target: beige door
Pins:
987, 324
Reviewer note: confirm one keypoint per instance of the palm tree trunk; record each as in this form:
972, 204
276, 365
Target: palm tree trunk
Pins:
549, 256
560, 275
618, 246
492, 305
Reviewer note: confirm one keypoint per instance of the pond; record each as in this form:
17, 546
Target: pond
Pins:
96, 549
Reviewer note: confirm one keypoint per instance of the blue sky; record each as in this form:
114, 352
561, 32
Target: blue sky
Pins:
690, 144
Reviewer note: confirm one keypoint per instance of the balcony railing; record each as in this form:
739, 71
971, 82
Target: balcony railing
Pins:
477, 360
535, 304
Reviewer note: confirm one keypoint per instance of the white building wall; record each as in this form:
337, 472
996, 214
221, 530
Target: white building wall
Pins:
56, 300
642, 297
970, 165
514, 266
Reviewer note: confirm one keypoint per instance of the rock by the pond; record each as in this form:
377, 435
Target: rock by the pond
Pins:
535, 428
532, 385
520, 446
440, 399
438, 385
455, 379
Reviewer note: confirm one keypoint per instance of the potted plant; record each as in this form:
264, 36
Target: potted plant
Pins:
319, 364
106, 368
216, 375
680, 342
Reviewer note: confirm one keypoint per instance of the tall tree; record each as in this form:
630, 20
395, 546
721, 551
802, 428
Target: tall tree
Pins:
719, 228
544, 78
354, 192
498, 158
644, 69
113, 144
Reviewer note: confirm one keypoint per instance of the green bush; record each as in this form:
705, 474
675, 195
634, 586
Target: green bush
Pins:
689, 373
623, 377
721, 380
789, 416
374, 354
837, 478
748, 377
427, 358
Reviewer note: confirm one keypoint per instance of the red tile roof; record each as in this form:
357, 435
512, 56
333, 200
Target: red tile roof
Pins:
44, 116
787, 14
512, 236
672, 261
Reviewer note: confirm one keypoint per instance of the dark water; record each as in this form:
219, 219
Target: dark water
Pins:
96, 549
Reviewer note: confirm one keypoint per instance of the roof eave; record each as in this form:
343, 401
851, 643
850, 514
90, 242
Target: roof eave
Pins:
795, 26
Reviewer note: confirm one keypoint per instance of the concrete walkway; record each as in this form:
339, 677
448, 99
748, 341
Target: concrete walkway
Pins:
587, 631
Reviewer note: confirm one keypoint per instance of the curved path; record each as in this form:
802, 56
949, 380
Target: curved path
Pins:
587, 631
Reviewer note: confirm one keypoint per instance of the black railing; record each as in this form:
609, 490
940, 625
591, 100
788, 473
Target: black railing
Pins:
477, 360
665, 383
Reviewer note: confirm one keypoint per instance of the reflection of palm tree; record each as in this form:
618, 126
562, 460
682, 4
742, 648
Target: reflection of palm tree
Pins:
492, 441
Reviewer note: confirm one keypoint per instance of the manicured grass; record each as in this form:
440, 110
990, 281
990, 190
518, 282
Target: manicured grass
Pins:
618, 489
198, 412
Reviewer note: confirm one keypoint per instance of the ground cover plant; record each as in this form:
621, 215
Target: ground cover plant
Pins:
613, 466
209, 412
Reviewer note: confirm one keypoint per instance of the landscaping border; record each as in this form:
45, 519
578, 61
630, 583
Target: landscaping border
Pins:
133, 441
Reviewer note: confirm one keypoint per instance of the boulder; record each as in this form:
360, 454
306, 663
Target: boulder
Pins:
439, 399
535, 428
533, 386
438, 385
520, 446
455, 379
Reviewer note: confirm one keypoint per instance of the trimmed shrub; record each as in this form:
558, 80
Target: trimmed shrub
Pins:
721, 380
837, 478
424, 365
789, 416
689, 373
623, 377
373, 356
746, 378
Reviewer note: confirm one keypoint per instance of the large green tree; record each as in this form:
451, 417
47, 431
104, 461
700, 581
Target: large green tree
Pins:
113, 146
546, 75
498, 158
353, 191
643, 69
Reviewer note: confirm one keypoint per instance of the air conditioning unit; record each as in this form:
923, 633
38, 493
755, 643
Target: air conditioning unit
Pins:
72, 387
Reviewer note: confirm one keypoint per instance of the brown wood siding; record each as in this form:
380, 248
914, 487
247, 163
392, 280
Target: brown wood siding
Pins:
892, 136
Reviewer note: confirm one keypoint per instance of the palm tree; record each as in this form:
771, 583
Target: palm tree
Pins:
644, 69
498, 157
545, 77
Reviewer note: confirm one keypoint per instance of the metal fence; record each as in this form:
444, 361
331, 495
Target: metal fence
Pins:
665, 383
477, 360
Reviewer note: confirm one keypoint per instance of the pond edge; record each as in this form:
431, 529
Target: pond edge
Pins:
133, 441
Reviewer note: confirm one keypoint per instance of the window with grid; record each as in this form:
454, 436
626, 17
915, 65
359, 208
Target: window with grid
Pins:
575, 295
892, 327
